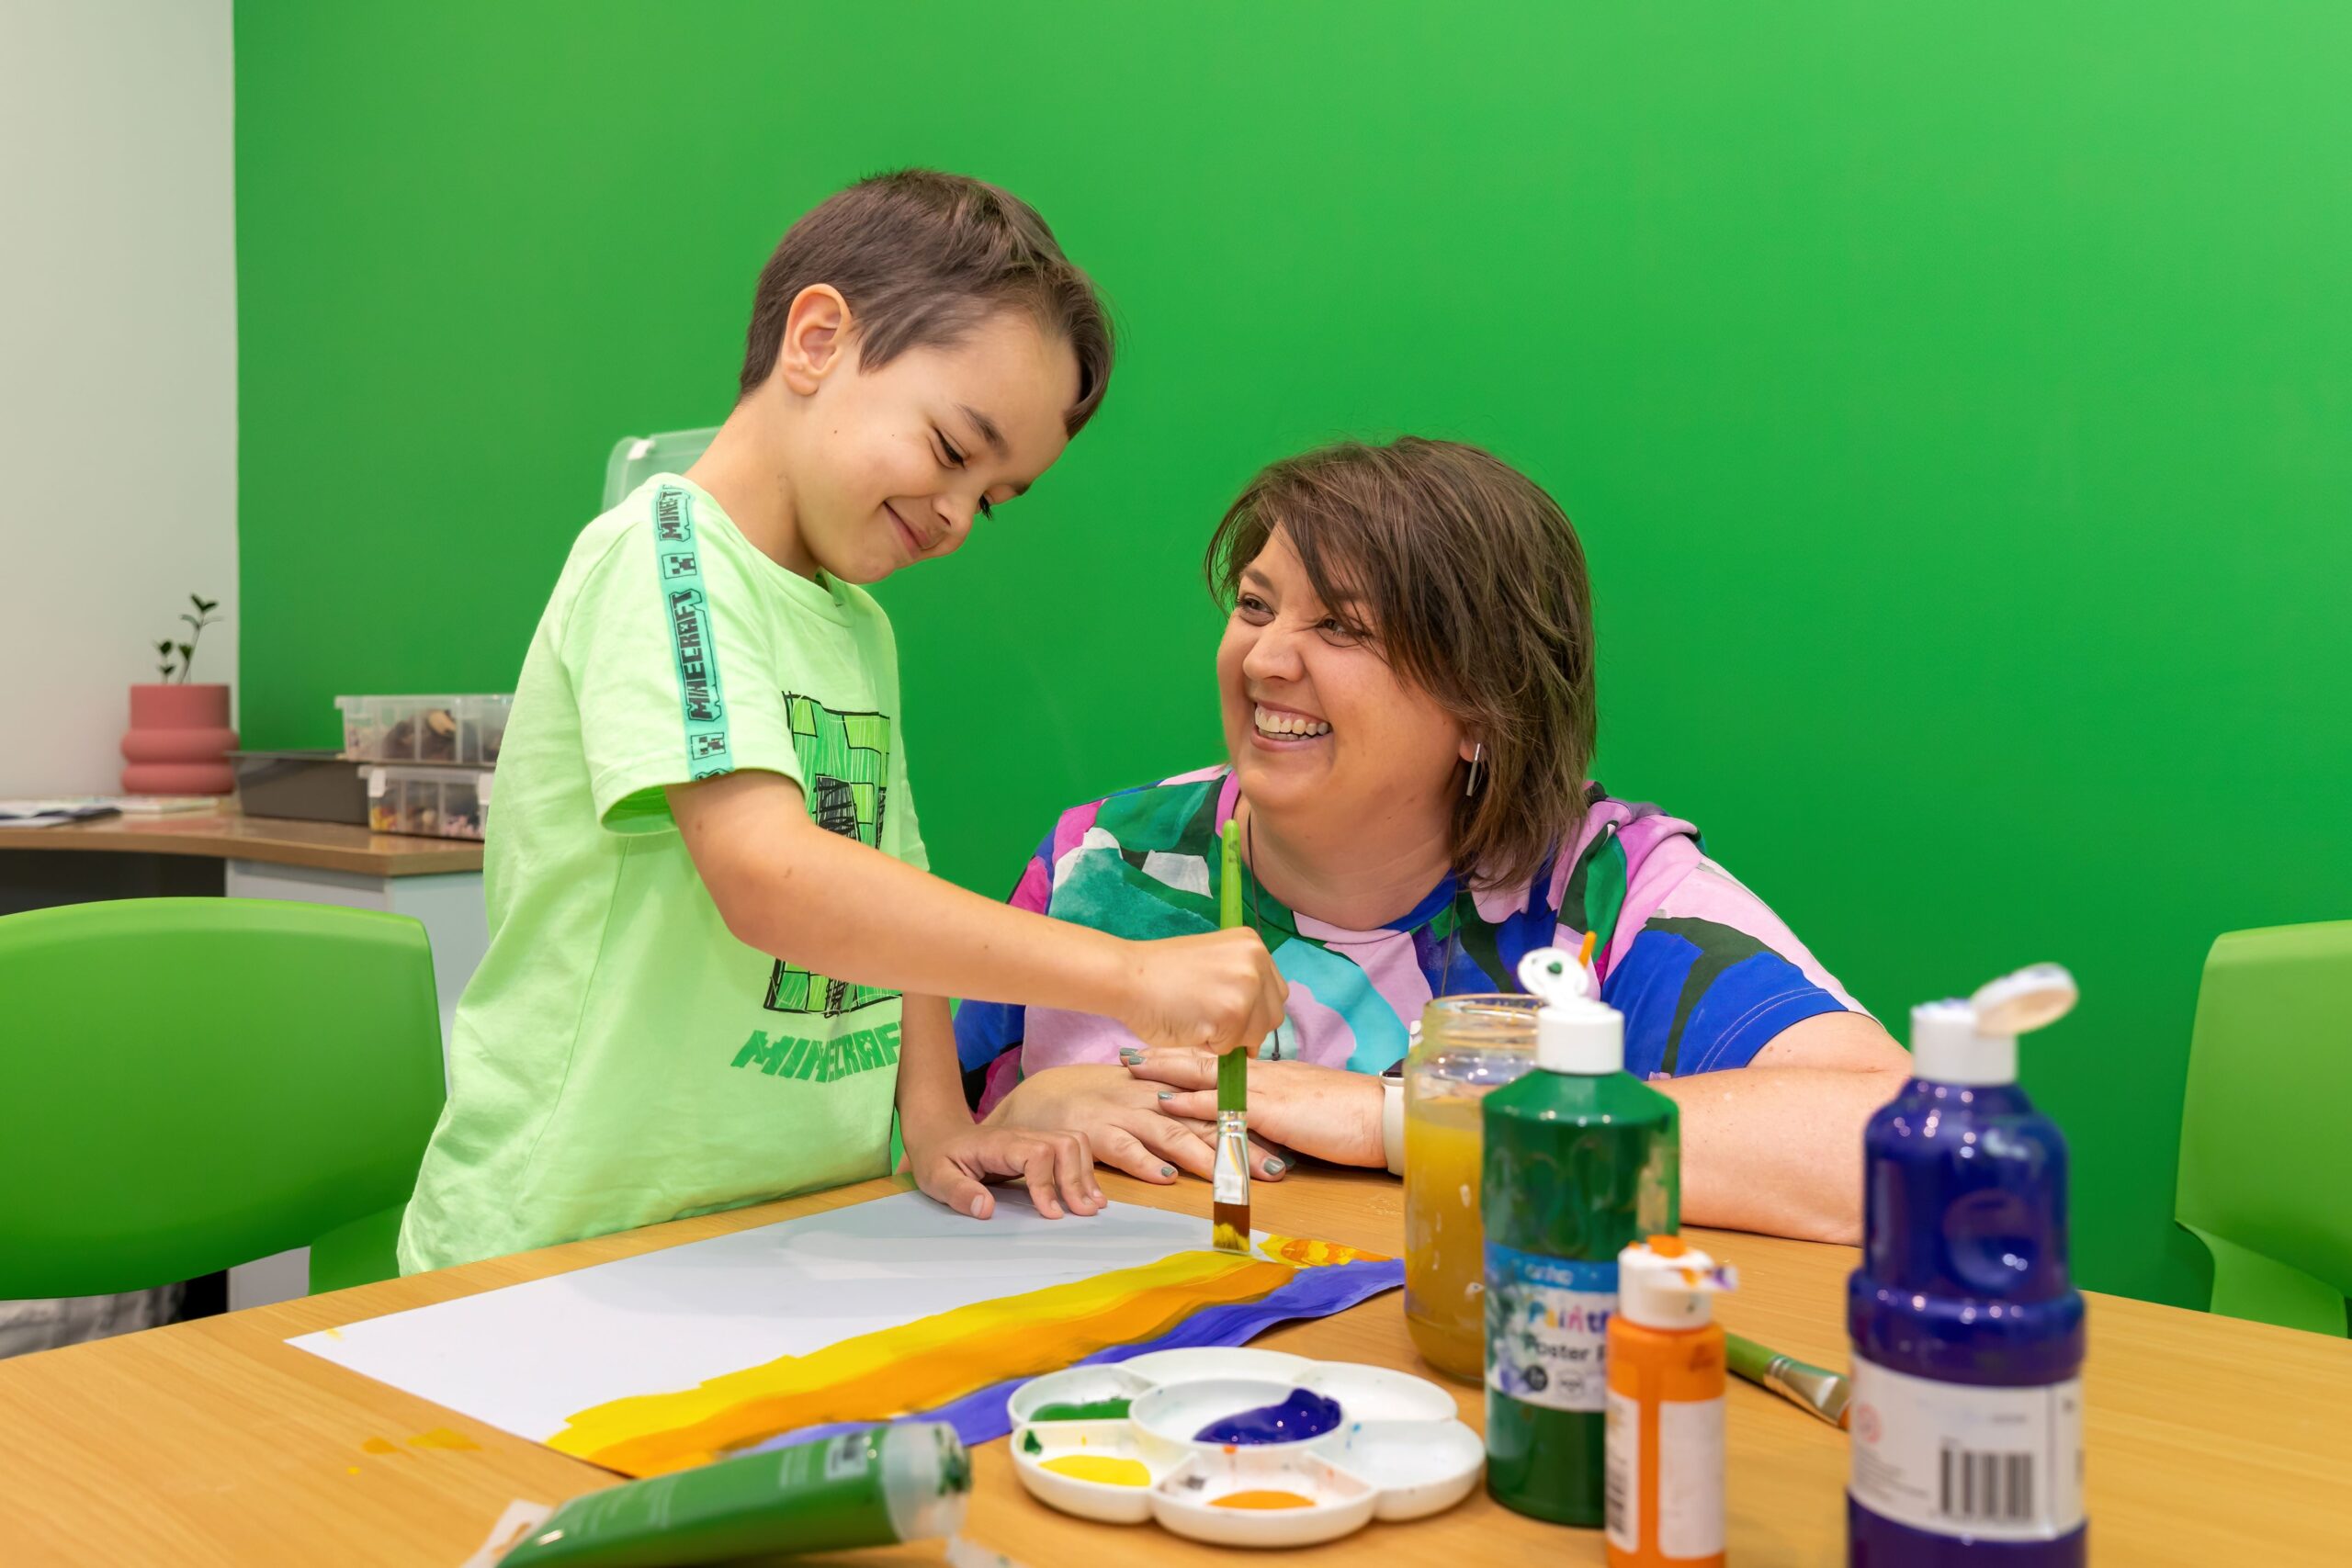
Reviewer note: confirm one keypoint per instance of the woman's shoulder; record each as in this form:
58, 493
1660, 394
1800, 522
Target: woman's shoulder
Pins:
1178, 816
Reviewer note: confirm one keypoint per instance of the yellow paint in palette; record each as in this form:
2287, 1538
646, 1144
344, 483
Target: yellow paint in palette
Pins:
1262, 1498
1108, 1469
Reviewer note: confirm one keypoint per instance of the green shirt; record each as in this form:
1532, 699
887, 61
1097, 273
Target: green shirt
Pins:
620, 1058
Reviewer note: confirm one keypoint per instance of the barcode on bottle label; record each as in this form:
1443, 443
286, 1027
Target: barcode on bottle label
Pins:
1621, 1472
1985, 1488
1956, 1458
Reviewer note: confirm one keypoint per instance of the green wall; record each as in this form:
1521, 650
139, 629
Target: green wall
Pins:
1955, 400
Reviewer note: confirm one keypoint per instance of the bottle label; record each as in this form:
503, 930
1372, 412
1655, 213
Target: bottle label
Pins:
1621, 1474
1691, 1477
1547, 1326
1959, 1459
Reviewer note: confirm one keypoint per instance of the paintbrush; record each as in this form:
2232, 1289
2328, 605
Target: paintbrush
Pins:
1823, 1393
1229, 1211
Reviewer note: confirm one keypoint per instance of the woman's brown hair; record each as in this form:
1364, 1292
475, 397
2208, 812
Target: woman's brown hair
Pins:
1472, 585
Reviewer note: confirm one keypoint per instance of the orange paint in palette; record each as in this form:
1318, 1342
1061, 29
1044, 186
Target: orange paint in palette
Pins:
1262, 1498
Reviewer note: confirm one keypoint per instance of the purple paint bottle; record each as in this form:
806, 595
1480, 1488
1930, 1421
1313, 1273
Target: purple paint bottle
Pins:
1967, 1410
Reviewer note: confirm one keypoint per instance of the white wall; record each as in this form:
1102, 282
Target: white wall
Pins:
118, 368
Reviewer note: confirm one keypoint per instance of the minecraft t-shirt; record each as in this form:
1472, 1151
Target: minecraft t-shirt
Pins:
619, 1057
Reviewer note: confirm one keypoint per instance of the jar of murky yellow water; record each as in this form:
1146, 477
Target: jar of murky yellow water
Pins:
1467, 1046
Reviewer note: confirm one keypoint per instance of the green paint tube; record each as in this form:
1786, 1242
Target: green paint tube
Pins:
865, 1488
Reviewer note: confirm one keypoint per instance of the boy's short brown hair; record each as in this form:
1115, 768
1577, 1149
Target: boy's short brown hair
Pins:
1472, 585
923, 257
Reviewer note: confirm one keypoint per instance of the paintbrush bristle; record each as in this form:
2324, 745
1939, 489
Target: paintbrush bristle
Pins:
1229, 1238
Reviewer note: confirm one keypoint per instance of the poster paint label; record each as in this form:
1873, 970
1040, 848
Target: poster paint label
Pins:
1959, 1460
1621, 1474
1547, 1326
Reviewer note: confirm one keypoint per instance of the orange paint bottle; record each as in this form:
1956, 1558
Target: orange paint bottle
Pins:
1664, 1471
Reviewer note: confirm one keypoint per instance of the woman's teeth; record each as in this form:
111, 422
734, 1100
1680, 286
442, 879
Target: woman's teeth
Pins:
1271, 723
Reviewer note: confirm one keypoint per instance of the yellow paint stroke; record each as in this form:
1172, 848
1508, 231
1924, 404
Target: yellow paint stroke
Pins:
333, 1333
380, 1446
442, 1437
916, 1366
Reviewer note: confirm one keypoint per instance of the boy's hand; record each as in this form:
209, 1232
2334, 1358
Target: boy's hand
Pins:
1124, 1120
1218, 991
1058, 1165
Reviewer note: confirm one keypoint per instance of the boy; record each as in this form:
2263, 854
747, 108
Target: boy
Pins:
706, 886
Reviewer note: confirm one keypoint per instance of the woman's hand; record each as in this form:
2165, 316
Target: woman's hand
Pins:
1125, 1121
1328, 1112
1058, 1166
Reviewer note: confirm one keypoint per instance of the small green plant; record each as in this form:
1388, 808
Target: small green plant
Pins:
187, 650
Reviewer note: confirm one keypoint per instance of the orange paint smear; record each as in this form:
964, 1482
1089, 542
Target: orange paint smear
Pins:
380, 1446
1311, 1254
1263, 1499
916, 1366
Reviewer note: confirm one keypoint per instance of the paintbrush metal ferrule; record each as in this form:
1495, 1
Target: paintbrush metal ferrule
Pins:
1230, 1212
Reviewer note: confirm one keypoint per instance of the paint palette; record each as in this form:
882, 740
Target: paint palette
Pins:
1319, 1448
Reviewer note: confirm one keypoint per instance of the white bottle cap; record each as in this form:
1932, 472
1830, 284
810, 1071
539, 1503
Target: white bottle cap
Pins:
1975, 1043
1575, 1031
1662, 1283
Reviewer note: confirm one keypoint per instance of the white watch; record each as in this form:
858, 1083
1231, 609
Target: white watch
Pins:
1392, 1121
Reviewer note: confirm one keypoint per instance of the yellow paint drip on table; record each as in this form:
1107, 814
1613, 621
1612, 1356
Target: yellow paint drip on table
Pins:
1262, 1498
1108, 1469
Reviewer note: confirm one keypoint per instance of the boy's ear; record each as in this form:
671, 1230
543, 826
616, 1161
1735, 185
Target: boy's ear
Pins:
816, 337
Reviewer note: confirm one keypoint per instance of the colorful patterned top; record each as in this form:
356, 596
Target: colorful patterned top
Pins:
1703, 971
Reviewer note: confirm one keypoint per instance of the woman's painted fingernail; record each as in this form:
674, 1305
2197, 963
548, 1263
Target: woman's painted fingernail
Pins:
1167, 1170
1273, 1166
1167, 1094
1129, 1055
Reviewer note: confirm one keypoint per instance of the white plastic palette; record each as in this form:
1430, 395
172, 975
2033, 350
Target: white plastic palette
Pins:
1398, 1452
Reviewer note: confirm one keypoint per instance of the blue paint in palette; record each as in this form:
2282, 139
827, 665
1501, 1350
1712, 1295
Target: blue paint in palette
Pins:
1303, 1415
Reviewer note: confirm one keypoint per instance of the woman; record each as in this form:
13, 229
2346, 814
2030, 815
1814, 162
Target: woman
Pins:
1407, 681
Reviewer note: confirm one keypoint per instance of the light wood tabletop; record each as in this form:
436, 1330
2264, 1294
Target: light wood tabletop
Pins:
226, 834
214, 1442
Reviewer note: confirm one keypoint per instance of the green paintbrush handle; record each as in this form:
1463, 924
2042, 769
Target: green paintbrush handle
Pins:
1233, 1067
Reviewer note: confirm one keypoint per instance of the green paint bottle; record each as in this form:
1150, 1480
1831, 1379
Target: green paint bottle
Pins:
869, 1487
1581, 1161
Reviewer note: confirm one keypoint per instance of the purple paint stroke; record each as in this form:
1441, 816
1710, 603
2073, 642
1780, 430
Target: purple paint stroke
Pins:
1322, 1292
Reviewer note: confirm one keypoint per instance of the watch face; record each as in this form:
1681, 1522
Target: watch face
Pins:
1395, 1070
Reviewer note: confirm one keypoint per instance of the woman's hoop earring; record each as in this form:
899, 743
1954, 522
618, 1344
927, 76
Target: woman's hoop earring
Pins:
1477, 755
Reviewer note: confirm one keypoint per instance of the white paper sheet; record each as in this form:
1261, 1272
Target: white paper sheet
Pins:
525, 1358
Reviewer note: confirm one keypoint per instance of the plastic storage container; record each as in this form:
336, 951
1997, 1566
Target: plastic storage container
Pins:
433, 802
467, 730
310, 786
1467, 1047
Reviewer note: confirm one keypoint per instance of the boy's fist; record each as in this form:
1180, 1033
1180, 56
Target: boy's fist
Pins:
1217, 992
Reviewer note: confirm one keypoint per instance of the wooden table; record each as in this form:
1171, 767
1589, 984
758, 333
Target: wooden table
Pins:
225, 834
2210, 1441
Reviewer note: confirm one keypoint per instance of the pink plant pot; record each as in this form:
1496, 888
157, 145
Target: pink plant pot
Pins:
178, 742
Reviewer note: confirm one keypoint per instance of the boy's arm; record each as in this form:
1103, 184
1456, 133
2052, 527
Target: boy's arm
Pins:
950, 1158
830, 904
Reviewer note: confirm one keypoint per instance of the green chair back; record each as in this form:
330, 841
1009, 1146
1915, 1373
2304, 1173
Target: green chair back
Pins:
193, 1083
2266, 1135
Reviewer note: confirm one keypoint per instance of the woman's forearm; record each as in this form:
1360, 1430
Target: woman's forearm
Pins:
1778, 1150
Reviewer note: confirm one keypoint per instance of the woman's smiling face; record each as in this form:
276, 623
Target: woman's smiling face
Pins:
1315, 718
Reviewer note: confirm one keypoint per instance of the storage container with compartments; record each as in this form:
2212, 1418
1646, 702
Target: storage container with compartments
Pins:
430, 802
460, 729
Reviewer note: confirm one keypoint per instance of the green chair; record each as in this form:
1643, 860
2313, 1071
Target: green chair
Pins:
193, 1083
2266, 1160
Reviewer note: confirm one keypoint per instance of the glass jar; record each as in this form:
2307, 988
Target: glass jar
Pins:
1465, 1048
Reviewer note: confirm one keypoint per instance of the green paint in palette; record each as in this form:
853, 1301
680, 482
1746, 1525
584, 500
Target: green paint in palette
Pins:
1112, 1409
